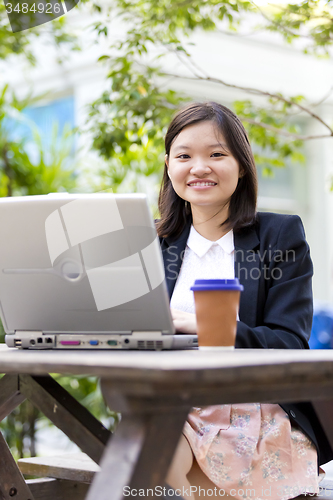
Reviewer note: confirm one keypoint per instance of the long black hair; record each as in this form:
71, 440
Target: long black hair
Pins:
174, 211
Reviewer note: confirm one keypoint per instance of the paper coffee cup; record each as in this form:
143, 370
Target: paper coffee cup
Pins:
216, 307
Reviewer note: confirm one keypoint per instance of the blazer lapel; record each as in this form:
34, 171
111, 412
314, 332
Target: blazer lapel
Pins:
247, 270
173, 254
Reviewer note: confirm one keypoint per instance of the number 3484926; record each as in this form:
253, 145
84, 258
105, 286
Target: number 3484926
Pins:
41, 8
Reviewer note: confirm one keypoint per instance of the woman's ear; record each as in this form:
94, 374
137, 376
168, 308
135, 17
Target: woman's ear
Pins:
166, 159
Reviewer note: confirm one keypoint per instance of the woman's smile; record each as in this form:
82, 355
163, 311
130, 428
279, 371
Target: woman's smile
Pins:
201, 184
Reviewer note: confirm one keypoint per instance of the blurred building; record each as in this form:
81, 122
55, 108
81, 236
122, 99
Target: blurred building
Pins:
260, 61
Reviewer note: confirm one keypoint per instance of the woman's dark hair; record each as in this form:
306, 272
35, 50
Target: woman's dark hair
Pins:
174, 211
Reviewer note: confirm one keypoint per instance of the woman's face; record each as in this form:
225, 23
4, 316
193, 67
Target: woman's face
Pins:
202, 170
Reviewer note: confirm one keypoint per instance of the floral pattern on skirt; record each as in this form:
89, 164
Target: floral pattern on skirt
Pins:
252, 449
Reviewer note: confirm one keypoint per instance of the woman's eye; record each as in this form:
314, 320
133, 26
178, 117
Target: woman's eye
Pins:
184, 156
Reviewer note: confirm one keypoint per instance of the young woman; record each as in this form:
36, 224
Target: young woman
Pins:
209, 228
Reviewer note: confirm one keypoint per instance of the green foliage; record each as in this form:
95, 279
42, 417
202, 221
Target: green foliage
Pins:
129, 121
270, 151
181, 16
53, 169
87, 391
311, 20
14, 43
19, 430
50, 170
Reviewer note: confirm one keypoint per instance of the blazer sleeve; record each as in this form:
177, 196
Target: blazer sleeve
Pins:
285, 305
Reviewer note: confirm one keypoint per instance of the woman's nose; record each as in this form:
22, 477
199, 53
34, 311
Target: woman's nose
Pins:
200, 166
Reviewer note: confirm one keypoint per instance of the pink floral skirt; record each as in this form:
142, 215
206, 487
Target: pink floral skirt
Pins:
251, 451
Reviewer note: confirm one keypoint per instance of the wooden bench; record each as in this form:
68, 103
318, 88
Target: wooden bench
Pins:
72, 467
62, 477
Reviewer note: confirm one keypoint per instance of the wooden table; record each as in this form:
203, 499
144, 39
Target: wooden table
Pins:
154, 391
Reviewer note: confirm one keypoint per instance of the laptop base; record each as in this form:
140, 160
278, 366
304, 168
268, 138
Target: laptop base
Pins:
136, 340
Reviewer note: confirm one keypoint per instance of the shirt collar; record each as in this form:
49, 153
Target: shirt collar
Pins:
201, 245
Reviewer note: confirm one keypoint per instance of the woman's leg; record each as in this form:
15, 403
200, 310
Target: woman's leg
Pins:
197, 478
185, 472
180, 466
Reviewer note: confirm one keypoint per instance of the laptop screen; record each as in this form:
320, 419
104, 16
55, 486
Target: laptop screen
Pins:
81, 263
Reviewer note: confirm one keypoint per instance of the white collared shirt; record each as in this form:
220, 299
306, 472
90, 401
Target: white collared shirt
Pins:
203, 259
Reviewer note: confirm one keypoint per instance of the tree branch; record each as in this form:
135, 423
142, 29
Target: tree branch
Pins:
255, 91
307, 17
245, 89
285, 132
279, 25
188, 62
250, 90
323, 99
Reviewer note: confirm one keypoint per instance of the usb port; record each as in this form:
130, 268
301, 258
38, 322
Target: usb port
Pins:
17, 342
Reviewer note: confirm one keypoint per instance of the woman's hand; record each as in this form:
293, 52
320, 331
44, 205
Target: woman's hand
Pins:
184, 322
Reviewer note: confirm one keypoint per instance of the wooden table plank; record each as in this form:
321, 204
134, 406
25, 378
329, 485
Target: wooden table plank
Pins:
188, 366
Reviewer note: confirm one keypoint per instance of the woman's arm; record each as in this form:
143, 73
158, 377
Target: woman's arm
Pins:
286, 314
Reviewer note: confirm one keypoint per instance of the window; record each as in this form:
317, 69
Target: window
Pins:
45, 117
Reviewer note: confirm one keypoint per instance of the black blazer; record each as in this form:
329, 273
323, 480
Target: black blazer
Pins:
272, 261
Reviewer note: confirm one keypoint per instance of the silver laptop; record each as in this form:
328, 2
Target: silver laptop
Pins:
83, 271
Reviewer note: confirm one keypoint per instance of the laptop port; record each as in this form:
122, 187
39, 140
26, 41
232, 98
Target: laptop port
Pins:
93, 342
49, 340
39, 340
32, 342
17, 342
112, 342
